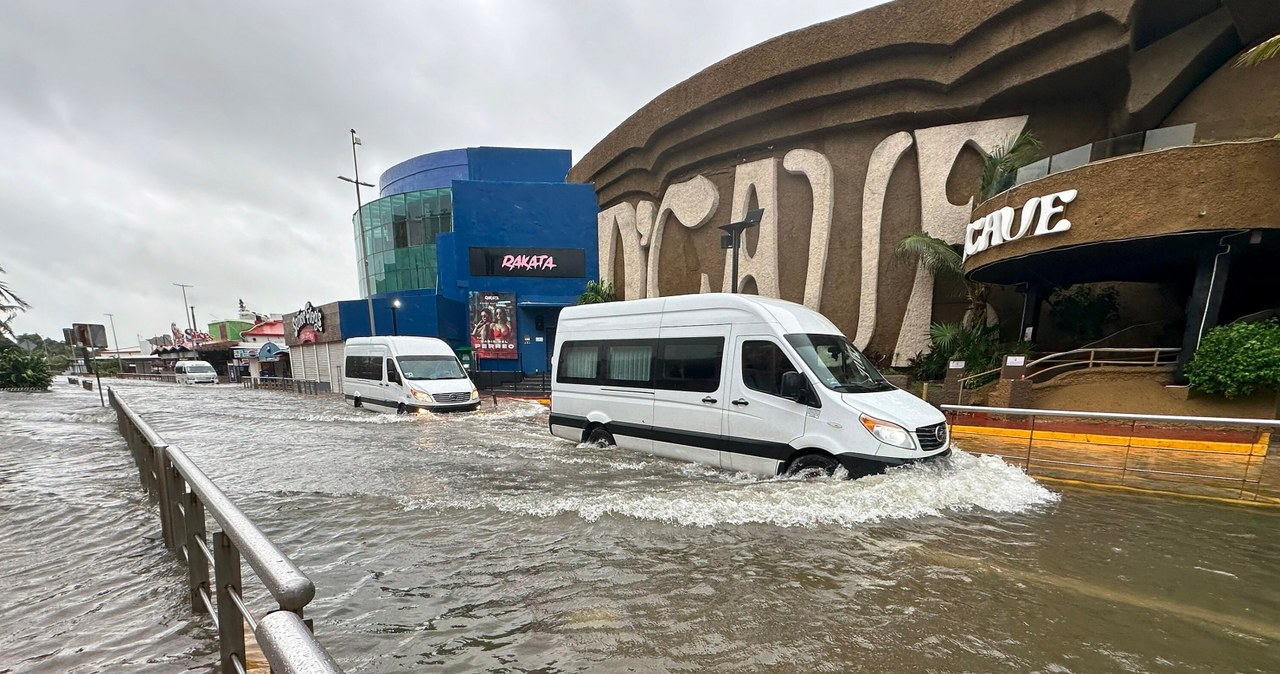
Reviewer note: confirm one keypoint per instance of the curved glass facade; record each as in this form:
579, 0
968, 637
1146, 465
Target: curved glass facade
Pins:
396, 240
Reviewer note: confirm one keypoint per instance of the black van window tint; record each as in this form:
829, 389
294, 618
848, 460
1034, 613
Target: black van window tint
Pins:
629, 363
763, 364
393, 375
578, 361
690, 364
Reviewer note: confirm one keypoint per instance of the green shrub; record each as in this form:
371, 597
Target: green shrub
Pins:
977, 345
1238, 359
1083, 312
19, 369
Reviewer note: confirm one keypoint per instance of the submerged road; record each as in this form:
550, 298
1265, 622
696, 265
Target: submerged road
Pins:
477, 542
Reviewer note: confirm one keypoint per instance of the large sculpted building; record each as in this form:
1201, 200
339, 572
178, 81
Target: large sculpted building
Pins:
854, 133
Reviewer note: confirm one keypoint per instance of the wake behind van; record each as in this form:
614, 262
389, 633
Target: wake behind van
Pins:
405, 374
737, 381
194, 372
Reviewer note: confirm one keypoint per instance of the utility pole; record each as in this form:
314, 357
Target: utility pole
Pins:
112, 318
359, 223
184, 287
734, 238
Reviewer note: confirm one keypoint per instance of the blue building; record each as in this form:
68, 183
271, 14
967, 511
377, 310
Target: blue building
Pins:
480, 247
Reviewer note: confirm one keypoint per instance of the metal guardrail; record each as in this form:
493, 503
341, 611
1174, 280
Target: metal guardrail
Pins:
184, 493
1093, 357
301, 386
157, 376
1248, 466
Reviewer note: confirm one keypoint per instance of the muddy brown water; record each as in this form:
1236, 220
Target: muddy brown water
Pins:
477, 542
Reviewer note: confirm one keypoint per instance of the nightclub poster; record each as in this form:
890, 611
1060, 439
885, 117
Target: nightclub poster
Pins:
493, 325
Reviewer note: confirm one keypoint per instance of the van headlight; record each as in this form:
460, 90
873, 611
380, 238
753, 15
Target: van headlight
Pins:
475, 395
422, 395
888, 433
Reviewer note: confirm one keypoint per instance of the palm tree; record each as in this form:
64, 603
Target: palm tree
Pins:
10, 304
1266, 50
943, 260
1000, 166
597, 292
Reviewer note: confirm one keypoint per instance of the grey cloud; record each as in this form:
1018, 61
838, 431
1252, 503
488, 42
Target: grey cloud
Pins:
153, 142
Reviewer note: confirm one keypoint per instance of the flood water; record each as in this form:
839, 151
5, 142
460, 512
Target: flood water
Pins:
477, 542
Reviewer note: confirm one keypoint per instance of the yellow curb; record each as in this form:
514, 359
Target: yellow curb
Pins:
1213, 446
1269, 503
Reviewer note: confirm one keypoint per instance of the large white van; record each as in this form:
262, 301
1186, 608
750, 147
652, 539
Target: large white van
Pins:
405, 374
737, 381
194, 372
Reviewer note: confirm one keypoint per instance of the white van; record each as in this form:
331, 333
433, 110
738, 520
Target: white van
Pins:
194, 372
737, 381
405, 374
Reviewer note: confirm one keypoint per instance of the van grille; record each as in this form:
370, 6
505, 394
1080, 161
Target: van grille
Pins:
932, 437
459, 397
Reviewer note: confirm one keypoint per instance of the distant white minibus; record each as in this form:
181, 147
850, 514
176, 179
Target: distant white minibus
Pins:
194, 372
405, 374
736, 381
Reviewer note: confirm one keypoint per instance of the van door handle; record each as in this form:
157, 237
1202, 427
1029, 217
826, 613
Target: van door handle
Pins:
741, 401
709, 400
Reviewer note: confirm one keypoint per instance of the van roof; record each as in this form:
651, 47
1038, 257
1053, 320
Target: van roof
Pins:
790, 317
426, 345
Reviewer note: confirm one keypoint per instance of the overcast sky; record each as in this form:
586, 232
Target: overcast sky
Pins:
152, 143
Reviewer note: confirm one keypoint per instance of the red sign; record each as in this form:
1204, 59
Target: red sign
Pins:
493, 325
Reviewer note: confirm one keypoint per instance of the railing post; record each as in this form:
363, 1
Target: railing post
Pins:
226, 572
1128, 444
1031, 437
177, 512
163, 498
197, 565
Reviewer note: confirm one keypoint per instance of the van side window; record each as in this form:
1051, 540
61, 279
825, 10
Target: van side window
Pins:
629, 364
364, 367
578, 361
393, 375
691, 364
763, 364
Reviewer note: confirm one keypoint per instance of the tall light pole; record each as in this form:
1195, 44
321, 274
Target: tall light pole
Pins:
395, 305
368, 288
184, 287
734, 237
112, 318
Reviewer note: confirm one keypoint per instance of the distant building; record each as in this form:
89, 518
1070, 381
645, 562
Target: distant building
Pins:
482, 247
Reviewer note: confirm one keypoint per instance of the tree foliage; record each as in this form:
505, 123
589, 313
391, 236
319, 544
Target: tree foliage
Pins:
598, 292
1083, 312
1237, 359
10, 305
20, 369
1000, 166
1268, 49
944, 261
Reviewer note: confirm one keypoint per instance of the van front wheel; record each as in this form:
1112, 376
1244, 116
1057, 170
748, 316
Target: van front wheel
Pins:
600, 437
401, 409
812, 465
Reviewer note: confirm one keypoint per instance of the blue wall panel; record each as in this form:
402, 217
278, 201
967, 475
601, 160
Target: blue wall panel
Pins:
506, 164
424, 172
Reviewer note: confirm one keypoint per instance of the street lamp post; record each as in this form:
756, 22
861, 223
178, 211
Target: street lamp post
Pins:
395, 327
368, 290
112, 318
734, 237
184, 301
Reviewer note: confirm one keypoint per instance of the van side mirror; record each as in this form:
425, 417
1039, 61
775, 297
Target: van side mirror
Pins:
794, 387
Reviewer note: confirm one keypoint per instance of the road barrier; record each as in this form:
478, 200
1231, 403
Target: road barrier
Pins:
1202, 456
300, 386
184, 493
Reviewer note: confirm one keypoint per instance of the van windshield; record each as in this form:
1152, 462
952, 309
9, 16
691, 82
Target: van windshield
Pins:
199, 369
838, 364
431, 367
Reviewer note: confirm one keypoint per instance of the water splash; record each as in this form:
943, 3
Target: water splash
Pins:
960, 483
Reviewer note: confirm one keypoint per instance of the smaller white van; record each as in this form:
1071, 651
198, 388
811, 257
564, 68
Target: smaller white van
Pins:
194, 372
405, 374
